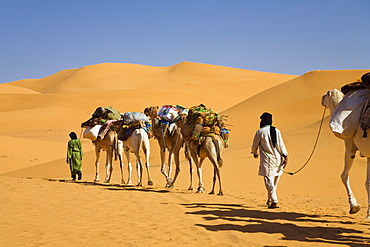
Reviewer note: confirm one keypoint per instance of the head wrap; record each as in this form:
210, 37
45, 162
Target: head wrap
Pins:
73, 135
266, 119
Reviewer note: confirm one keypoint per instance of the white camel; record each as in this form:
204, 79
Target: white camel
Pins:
169, 139
137, 143
357, 142
210, 147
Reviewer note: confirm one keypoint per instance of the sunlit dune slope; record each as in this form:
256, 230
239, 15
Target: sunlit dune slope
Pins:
184, 76
10, 89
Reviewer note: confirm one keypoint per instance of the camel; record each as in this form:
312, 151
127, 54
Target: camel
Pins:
112, 146
169, 139
210, 147
357, 142
138, 141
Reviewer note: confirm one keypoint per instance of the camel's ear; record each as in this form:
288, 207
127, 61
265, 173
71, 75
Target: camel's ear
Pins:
157, 108
330, 93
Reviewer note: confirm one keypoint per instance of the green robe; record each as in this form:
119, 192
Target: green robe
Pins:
74, 154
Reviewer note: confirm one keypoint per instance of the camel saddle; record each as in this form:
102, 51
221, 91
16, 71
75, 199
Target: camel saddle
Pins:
352, 86
365, 121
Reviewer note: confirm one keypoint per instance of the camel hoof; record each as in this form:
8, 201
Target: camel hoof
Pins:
211, 193
150, 183
106, 181
355, 209
200, 190
220, 193
123, 182
139, 185
191, 188
97, 180
169, 182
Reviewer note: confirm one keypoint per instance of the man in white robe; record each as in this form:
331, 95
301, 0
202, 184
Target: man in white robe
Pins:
273, 156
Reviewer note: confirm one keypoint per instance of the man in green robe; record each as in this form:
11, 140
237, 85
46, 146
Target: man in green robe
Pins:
74, 156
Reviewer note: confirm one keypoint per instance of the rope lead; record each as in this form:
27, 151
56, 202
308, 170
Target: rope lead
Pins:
314, 146
309, 158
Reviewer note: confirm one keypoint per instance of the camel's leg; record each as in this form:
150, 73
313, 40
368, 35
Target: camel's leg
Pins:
163, 157
200, 176
97, 156
120, 150
163, 163
216, 175
129, 166
214, 180
191, 171
367, 184
212, 149
348, 162
169, 171
176, 154
139, 168
219, 148
220, 192
170, 158
146, 151
109, 164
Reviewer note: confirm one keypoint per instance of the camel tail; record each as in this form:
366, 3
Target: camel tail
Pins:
220, 162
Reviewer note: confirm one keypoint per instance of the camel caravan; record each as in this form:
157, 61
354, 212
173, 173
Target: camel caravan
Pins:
350, 119
199, 131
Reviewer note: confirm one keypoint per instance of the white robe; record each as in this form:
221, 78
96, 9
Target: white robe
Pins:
270, 156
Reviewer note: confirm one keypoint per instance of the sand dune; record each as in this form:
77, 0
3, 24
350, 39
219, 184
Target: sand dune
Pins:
39, 114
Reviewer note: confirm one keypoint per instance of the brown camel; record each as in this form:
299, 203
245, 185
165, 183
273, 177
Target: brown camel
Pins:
211, 147
170, 139
112, 146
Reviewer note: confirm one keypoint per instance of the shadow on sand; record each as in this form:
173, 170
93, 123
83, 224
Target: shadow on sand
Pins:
110, 186
293, 226
325, 229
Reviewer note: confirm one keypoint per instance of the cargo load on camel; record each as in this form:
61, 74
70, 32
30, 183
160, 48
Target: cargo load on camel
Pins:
100, 123
202, 121
167, 116
131, 121
169, 113
353, 110
91, 132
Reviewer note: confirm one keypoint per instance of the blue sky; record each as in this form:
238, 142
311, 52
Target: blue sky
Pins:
42, 37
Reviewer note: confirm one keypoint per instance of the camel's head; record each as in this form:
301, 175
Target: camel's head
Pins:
91, 122
331, 99
151, 111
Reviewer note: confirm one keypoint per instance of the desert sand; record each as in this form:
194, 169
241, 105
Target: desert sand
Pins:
41, 206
